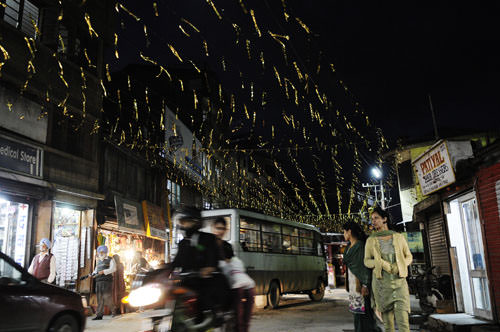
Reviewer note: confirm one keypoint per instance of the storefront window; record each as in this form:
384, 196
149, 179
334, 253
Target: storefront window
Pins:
13, 226
66, 234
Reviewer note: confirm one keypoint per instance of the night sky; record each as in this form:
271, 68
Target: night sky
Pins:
391, 56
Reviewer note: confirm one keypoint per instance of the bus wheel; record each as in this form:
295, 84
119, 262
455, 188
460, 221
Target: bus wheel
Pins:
318, 293
273, 296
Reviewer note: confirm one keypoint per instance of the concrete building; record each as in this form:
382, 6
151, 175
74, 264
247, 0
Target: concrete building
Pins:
50, 97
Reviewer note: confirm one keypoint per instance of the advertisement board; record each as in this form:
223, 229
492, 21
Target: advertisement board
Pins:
182, 148
155, 223
434, 168
129, 215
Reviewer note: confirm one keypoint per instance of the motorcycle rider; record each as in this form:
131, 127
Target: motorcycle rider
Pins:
197, 252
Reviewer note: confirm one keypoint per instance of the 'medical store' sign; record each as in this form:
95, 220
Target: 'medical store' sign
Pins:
21, 158
434, 169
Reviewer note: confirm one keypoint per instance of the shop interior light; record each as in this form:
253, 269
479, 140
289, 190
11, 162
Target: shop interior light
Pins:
66, 212
129, 254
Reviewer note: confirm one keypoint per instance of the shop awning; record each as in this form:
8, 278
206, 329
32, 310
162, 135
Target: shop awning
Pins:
129, 215
155, 223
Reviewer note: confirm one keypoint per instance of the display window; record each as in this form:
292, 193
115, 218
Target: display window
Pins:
137, 253
13, 229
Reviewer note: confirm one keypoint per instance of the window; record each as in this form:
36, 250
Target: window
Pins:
290, 240
9, 275
271, 238
174, 193
250, 235
306, 242
23, 15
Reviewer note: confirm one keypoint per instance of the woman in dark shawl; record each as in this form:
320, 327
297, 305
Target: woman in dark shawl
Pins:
118, 286
359, 279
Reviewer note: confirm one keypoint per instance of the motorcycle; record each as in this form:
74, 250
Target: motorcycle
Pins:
427, 287
168, 304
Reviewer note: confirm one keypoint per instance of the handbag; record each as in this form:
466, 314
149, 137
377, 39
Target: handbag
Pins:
357, 304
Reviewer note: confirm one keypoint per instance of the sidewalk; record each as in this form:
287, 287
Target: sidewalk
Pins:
123, 323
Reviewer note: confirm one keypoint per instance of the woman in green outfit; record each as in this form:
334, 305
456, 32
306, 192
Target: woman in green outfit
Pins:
359, 278
387, 253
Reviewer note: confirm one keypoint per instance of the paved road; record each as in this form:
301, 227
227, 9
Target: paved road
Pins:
296, 314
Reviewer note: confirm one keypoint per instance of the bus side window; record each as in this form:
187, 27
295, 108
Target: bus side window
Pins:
250, 235
319, 245
290, 240
307, 242
271, 237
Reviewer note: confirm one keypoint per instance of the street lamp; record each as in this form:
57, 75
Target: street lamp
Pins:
378, 175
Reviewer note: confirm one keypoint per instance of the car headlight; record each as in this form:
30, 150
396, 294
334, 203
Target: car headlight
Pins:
144, 296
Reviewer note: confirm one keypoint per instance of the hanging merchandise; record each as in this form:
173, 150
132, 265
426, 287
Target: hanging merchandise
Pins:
88, 230
66, 245
82, 248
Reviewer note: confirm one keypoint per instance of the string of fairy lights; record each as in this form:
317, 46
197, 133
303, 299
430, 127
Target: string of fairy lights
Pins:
314, 136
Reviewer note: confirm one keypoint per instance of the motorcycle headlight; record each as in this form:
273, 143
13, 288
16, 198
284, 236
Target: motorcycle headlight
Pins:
144, 296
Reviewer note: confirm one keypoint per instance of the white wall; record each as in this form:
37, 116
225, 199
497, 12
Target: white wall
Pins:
457, 240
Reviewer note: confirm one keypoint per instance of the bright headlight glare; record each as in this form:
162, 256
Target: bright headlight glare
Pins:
144, 296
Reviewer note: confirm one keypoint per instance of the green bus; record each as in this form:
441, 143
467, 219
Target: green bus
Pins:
281, 256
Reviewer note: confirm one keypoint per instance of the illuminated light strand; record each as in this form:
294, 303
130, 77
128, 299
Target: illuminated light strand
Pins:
252, 13
92, 32
211, 3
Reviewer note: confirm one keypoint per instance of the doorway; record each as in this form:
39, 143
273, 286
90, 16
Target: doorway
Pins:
466, 241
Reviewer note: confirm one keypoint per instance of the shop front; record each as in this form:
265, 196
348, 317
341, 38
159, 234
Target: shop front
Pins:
21, 188
72, 238
137, 236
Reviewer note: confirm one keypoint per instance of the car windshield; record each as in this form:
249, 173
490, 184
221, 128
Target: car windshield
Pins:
9, 275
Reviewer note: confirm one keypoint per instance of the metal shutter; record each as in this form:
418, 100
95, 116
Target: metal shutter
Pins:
438, 246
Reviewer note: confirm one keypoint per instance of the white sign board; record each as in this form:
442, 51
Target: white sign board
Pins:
183, 149
434, 169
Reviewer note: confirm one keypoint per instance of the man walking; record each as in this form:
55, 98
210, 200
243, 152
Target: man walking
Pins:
43, 266
104, 281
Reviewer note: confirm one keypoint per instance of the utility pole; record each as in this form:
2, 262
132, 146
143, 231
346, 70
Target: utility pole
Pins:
382, 194
436, 134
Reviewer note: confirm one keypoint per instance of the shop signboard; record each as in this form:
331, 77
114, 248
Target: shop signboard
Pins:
155, 223
434, 168
129, 215
20, 157
415, 241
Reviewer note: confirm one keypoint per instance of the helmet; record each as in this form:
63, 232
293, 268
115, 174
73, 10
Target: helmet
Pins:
103, 249
187, 214
46, 242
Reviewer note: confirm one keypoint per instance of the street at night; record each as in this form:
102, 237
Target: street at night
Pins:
295, 315
250, 165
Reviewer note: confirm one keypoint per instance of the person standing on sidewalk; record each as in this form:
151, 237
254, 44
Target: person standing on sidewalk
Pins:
43, 266
359, 279
387, 253
104, 281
